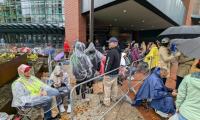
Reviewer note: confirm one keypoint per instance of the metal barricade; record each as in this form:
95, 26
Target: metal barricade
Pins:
143, 68
50, 66
94, 105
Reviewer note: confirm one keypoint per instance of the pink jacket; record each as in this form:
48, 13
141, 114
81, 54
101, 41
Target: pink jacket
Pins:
102, 65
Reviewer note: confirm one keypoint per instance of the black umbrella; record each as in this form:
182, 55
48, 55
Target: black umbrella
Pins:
183, 32
191, 48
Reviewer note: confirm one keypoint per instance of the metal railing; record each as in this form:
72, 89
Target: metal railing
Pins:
126, 85
72, 100
145, 67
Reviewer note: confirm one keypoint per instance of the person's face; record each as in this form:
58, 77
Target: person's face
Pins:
27, 74
104, 48
111, 45
163, 75
97, 41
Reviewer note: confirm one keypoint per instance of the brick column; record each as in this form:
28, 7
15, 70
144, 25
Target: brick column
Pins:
75, 22
188, 5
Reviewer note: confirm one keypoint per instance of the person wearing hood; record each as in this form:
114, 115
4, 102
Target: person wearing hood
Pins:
164, 56
28, 91
110, 79
154, 88
188, 102
153, 53
81, 67
66, 49
95, 57
59, 80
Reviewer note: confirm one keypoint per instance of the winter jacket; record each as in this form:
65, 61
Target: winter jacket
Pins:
185, 66
135, 54
154, 88
113, 61
194, 68
132, 45
188, 102
98, 47
153, 53
165, 59
66, 47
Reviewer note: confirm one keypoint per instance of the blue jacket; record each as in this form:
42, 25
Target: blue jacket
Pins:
154, 88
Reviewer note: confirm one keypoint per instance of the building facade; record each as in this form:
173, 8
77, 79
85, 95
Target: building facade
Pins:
38, 12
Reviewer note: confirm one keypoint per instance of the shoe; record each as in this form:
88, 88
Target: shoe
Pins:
61, 108
86, 100
78, 97
69, 108
162, 114
102, 103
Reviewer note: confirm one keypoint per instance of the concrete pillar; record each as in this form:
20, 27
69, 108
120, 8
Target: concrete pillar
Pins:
114, 32
188, 5
75, 22
136, 36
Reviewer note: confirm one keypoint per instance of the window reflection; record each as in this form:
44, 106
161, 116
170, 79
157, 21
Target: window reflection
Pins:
32, 11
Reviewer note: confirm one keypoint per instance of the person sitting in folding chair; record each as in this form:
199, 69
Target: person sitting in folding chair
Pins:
161, 97
29, 92
59, 79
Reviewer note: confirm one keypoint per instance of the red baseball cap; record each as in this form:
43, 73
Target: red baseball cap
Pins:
27, 68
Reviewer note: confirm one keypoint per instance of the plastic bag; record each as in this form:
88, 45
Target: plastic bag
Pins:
174, 117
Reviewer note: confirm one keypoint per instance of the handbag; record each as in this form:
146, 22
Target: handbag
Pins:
98, 87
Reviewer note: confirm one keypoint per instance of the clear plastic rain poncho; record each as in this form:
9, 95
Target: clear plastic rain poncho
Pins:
3, 116
37, 50
48, 50
23, 97
80, 64
59, 76
94, 55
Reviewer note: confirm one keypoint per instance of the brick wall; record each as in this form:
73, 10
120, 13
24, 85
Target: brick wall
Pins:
75, 22
188, 5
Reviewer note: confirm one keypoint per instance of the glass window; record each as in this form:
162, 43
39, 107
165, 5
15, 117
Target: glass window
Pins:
32, 11
55, 18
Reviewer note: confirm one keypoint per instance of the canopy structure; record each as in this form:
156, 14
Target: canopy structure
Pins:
32, 28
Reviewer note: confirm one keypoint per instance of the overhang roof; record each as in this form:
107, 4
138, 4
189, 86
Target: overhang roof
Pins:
32, 28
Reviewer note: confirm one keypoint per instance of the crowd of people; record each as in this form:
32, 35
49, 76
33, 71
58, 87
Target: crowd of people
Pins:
92, 60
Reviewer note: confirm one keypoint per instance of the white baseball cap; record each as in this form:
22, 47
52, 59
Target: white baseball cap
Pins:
165, 40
